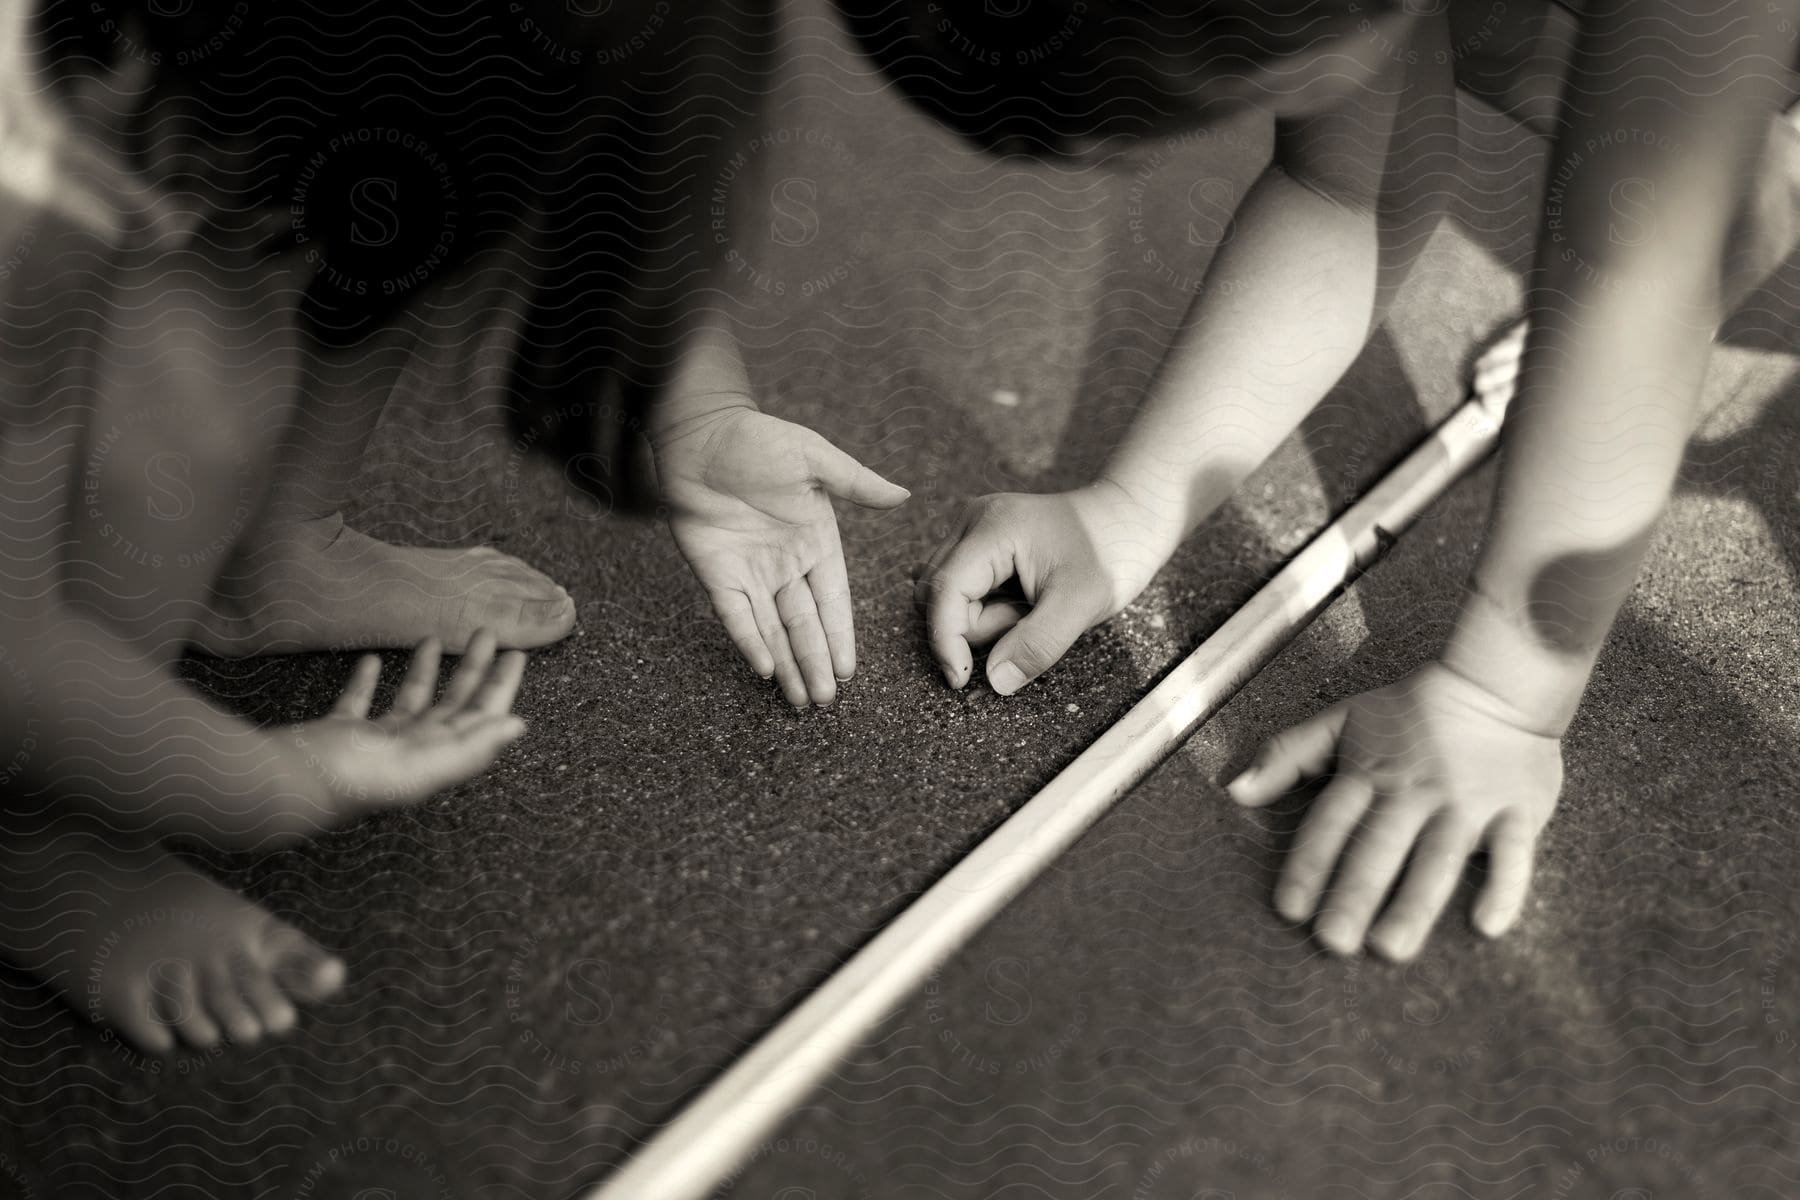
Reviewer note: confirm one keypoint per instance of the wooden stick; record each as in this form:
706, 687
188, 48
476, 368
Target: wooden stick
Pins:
698, 1150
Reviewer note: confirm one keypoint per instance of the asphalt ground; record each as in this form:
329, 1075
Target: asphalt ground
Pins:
545, 962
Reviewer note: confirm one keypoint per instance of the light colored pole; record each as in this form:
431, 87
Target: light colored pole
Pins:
697, 1152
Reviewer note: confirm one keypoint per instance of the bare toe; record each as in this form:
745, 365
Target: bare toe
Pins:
180, 1004
225, 997
150, 951
275, 1010
135, 1017
299, 966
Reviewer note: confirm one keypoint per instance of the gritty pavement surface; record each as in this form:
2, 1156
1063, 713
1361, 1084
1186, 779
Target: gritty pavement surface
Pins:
545, 962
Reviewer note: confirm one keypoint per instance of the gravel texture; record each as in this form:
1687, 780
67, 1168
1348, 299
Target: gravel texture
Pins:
545, 962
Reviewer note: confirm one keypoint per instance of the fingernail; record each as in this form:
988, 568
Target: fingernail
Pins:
1287, 903
1336, 935
1006, 678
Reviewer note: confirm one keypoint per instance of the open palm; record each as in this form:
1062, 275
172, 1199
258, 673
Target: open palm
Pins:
749, 499
417, 747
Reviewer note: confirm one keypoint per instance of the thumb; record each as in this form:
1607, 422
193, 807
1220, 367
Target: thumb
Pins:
1303, 751
848, 479
1040, 638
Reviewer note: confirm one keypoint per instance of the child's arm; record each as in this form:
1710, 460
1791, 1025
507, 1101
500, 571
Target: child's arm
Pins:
749, 502
106, 729
1644, 183
1286, 308
94, 723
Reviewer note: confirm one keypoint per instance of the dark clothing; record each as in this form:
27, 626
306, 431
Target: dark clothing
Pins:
392, 141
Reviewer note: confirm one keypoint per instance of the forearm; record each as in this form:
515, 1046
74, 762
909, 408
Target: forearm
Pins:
708, 375
708, 368
1285, 310
1622, 324
1608, 398
98, 724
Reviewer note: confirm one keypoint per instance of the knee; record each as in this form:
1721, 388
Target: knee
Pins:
203, 382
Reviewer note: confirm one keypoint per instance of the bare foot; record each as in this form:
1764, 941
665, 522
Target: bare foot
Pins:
320, 585
138, 941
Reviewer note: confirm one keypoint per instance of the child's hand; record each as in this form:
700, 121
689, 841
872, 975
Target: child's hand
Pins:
416, 747
749, 499
1078, 557
1432, 766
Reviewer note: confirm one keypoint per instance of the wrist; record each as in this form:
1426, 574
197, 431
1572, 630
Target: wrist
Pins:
1494, 646
1132, 536
708, 379
681, 414
1159, 523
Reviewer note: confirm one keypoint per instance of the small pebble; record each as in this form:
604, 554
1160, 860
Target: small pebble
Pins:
1005, 398
1074, 708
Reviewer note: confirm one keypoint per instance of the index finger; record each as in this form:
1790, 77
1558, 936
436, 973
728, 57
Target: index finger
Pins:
975, 566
